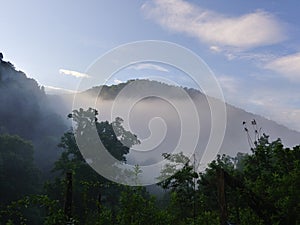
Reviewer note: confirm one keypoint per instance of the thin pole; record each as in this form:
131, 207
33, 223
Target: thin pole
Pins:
194, 179
68, 196
221, 195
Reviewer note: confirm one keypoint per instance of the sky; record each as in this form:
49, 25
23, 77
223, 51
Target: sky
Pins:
252, 47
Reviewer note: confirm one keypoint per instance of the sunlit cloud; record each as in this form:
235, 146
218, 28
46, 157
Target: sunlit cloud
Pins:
148, 66
74, 73
247, 31
215, 48
116, 81
288, 66
58, 90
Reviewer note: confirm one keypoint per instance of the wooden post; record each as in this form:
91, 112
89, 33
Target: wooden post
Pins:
68, 196
99, 203
221, 196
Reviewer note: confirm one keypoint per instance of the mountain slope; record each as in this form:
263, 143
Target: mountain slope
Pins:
25, 111
149, 116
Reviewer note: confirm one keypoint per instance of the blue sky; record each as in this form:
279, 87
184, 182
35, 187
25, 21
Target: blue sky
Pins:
253, 47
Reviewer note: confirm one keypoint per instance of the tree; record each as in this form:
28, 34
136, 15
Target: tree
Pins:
89, 184
210, 184
136, 207
179, 177
261, 188
272, 172
49, 211
18, 173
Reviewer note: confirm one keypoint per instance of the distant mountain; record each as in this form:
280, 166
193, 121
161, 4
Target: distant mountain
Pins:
143, 116
26, 111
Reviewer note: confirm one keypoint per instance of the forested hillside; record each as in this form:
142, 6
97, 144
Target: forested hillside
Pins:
25, 111
44, 179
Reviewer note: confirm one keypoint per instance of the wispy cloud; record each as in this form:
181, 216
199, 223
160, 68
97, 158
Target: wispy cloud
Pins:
148, 66
215, 48
74, 73
229, 84
231, 54
58, 90
275, 109
247, 31
288, 66
263, 99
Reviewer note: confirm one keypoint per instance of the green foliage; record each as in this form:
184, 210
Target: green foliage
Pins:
14, 212
113, 136
180, 177
260, 188
205, 218
102, 217
208, 183
88, 183
179, 174
18, 173
136, 208
272, 172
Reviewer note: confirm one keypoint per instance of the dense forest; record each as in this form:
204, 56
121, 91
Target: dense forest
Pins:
44, 179
25, 111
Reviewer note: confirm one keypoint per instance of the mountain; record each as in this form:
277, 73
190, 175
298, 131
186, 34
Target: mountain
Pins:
158, 113
26, 111
155, 112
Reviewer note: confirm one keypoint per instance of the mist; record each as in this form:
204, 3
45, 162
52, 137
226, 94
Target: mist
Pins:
160, 115
27, 111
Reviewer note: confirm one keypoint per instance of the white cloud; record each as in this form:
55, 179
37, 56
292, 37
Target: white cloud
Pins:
149, 66
243, 32
116, 81
57, 90
215, 48
73, 73
288, 66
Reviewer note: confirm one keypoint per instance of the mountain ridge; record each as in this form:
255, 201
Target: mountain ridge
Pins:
148, 108
111, 91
